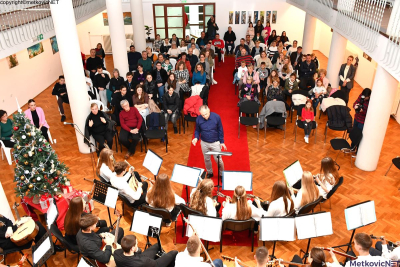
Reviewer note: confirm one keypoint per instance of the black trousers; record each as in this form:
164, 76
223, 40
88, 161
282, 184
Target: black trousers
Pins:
346, 92
296, 259
218, 51
142, 199
101, 138
166, 260
125, 137
45, 134
307, 128
8, 143
6, 243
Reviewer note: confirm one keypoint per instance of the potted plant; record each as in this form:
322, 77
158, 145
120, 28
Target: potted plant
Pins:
148, 31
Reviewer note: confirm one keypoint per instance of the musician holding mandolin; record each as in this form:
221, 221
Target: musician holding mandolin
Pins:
362, 244
91, 244
132, 256
389, 250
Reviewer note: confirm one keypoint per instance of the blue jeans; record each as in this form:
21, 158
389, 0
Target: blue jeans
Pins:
161, 93
218, 263
359, 125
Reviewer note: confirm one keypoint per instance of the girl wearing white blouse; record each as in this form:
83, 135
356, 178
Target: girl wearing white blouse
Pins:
308, 193
327, 177
239, 208
201, 198
317, 259
105, 165
162, 196
281, 201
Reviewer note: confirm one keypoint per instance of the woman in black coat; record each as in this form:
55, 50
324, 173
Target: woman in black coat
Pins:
150, 87
116, 82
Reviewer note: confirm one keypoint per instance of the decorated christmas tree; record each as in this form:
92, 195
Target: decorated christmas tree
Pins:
37, 170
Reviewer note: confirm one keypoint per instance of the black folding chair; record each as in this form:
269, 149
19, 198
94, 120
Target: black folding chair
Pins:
164, 213
159, 133
249, 107
5, 252
396, 162
300, 124
275, 119
294, 107
333, 190
342, 145
186, 211
309, 207
238, 226
74, 249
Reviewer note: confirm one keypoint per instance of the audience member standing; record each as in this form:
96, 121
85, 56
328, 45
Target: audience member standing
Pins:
93, 62
346, 75
133, 58
60, 90
212, 28
308, 69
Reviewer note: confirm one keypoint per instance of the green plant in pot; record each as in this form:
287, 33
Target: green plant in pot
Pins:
148, 30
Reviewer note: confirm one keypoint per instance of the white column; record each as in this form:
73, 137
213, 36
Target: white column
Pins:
336, 56
71, 61
117, 35
376, 122
139, 36
309, 34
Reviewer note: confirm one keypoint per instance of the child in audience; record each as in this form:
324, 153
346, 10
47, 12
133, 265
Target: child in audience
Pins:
167, 66
263, 75
240, 73
319, 91
307, 117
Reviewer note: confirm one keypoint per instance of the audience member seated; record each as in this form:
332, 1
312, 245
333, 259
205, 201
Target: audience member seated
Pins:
291, 85
238, 76
150, 87
140, 101
131, 122
146, 62
153, 57
208, 48
160, 76
249, 92
60, 90
174, 51
242, 45
115, 83
206, 66
183, 47
90, 243
319, 93
273, 74
263, 74
263, 58
93, 62
272, 49
274, 91
182, 77
193, 59
165, 46
161, 195
278, 57
192, 41
71, 222
202, 41
174, 39
157, 43
201, 199
89, 85
172, 82
100, 82
307, 69
258, 37
99, 125
187, 39
322, 76
292, 49
295, 57
284, 71
37, 118
307, 117
117, 97
187, 63
363, 244
105, 165
210, 61
315, 60
219, 46
191, 255
266, 32
272, 37
100, 52
171, 108
251, 73
256, 49
160, 59
281, 202
229, 38
243, 57
135, 191
361, 107
132, 81
199, 75
249, 42
167, 66
308, 192
6, 128
131, 256
133, 58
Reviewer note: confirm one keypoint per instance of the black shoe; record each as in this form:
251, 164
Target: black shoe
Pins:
210, 175
62, 118
175, 130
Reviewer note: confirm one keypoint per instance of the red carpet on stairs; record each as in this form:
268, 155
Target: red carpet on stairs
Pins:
223, 101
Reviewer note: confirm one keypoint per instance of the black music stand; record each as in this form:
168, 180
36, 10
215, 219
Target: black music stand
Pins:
218, 154
152, 162
45, 255
100, 195
151, 230
351, 227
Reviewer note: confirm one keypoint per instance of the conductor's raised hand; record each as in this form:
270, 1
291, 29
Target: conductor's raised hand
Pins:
223, 147
194, 141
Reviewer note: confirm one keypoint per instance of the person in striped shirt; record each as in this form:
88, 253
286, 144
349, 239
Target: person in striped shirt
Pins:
243, 57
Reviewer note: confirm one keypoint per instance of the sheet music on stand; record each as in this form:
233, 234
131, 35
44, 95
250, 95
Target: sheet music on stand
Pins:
52, 214
146, 224
42, 250
277, 229
293, 173
314, 225
231, 179
105, 194
208, 228
360, 215
152, 162
185, 175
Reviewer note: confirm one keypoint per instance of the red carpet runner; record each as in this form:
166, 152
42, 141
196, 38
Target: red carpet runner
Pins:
223, 101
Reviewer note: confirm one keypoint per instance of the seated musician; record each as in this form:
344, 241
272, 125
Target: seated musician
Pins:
281, 201
191, 255
105, 165
201, 198
132, 256
261, 258
7, 228
73, 216
135, 195
308, 193
90, 243
362, 244
327, 177
162, 196
387, 251
240, 208
317, 259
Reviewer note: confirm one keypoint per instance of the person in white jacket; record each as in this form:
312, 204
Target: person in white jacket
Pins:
281, 201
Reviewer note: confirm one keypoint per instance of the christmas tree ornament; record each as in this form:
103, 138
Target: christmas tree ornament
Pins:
26, 171
44, 187
33, 133
29, 154
40, 140
56, 178
26, 163
16, 128
23, 137
21, 177
38, 178
28, 134
25, 155
18, 147
30, 186
55, 189
34, 180
40, 150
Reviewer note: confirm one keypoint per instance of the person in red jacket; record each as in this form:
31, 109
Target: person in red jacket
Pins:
307, 117
131, 121
219, 46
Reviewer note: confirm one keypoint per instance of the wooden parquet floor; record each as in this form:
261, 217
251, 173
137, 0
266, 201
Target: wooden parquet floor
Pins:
268, 157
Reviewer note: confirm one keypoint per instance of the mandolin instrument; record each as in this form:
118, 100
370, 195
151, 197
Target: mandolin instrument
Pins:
26, 232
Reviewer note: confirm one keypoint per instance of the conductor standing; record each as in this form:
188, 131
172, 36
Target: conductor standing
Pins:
209, 130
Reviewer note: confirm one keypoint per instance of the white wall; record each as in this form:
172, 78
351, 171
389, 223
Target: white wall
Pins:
29, 78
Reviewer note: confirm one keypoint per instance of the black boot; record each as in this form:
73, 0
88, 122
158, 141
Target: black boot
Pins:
175, 130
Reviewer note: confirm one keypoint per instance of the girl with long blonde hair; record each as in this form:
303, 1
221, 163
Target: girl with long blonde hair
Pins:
201, 198
281, 202
308, 193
